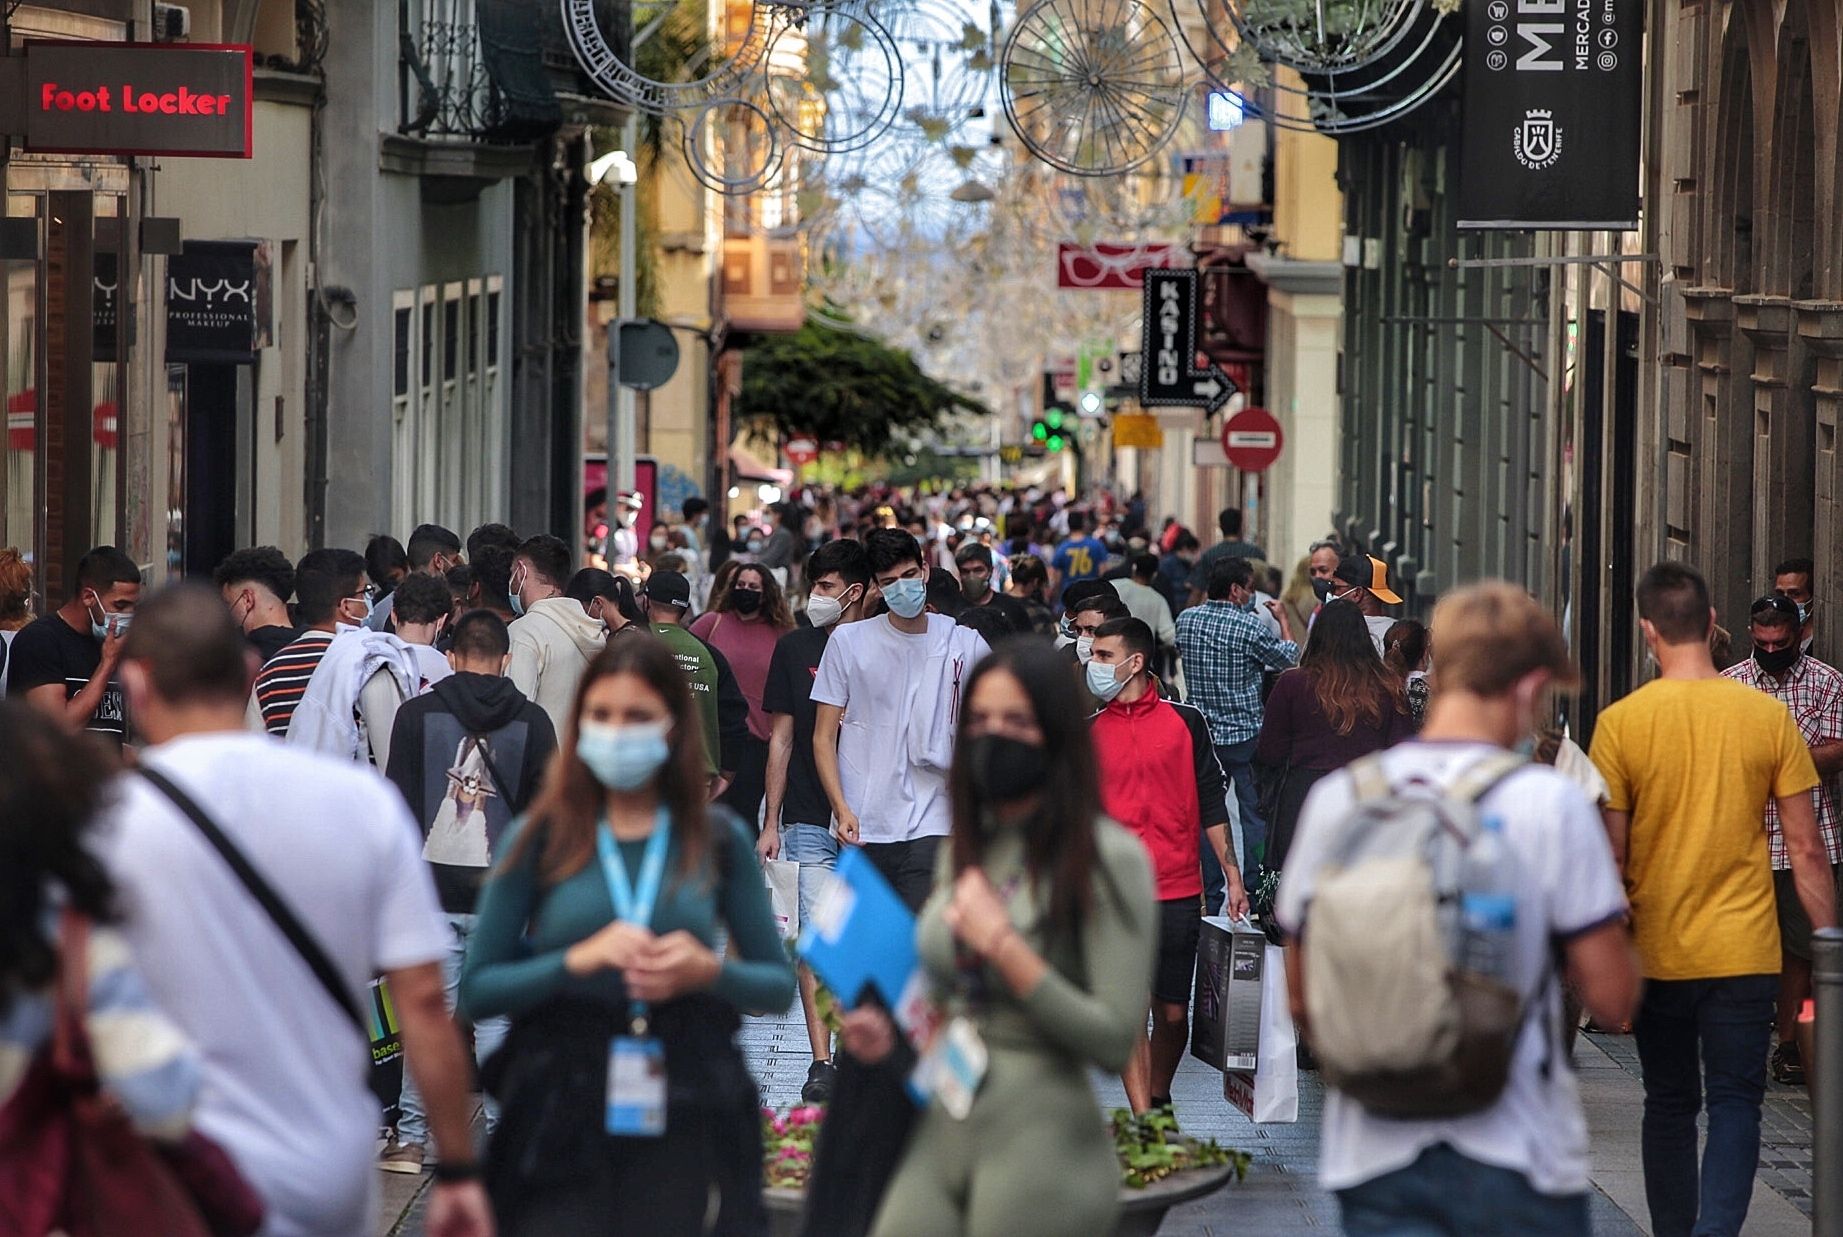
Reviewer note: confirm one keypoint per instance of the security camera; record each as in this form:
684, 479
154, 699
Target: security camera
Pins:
615, 161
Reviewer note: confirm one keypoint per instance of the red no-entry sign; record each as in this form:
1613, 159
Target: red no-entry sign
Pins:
800, 451
1252, 439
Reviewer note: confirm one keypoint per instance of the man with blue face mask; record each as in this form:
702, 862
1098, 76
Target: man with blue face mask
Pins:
888, 690
64, 663
1159, 777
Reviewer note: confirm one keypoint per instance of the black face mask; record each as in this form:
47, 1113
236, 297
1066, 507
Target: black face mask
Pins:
745, 600
1005, 769
1322, 589
1777, 662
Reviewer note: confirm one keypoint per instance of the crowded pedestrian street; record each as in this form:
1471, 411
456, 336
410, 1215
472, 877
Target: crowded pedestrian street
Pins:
921, 618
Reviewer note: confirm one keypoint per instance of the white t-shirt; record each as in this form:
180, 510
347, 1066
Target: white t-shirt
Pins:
900, 694
1536, 1128
286, 1091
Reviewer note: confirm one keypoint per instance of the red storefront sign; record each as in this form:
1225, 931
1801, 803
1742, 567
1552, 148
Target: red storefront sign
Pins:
1113, 268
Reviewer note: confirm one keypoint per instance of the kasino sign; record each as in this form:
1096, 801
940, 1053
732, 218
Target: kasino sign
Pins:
134, 99
1552, 118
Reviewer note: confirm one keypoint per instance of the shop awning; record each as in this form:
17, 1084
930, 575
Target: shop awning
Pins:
747, 468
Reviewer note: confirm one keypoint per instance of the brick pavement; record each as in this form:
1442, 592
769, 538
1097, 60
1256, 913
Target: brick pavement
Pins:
1281, 1198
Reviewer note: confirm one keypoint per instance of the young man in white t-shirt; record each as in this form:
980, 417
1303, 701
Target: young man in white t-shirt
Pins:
285, 1068
888, 692
1520, 1165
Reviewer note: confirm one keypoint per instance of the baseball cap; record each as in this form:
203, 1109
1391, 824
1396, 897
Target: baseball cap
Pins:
630, 500
1362, 571
670, 587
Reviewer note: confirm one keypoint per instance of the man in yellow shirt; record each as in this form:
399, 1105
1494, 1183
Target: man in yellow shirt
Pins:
1691, 761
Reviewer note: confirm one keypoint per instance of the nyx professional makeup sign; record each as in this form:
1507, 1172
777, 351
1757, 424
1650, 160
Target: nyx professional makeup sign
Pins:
136, 99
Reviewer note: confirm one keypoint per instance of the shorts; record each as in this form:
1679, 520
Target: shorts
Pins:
1794, 924
816, 851
1180, 925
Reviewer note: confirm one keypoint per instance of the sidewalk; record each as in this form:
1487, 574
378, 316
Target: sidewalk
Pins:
1281, 1198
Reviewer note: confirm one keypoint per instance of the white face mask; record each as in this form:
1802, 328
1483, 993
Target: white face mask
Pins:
824, 611
1084, 649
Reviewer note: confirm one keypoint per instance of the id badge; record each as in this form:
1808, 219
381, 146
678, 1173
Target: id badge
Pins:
636, 1087
954, 1067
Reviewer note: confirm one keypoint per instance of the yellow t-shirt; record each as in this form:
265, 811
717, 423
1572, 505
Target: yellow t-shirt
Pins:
1694, 762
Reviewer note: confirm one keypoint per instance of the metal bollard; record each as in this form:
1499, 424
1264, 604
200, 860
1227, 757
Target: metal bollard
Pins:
1827, 1079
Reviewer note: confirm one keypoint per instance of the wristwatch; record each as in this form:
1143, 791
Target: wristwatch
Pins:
449, 1172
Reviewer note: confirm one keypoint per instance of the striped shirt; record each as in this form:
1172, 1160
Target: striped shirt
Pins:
1813, 692
141, 1059
282, 682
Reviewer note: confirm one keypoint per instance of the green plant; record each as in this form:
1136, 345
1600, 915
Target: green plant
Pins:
1150, 1148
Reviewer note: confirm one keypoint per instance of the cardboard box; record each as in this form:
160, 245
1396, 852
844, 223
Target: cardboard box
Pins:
1225, 1018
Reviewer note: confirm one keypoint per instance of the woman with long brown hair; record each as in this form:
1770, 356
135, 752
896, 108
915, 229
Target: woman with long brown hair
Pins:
1038, 939
1339, 703
625, 1023
744, 621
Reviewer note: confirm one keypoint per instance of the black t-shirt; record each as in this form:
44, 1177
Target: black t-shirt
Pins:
268, 641
789, 690
48, 651
1012, 609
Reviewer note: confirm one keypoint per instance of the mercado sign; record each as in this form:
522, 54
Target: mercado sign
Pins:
1553, 114
91, 98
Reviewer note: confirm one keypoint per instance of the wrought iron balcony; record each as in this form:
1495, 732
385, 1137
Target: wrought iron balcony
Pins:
470, 70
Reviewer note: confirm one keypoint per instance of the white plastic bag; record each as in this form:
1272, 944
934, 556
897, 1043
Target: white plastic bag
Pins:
783, 880
1271, 1092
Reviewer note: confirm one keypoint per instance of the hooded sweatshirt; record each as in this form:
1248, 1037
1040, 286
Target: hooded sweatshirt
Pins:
552, 646
468, 757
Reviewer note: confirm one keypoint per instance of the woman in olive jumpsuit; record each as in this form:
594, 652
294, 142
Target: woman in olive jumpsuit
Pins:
1041, 931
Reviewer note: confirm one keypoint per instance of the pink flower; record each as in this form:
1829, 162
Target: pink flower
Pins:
809, 1115
780, 1125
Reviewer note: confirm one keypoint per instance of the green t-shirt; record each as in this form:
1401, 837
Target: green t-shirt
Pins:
700, 670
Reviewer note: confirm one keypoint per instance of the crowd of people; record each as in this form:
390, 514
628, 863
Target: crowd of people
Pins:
530, 798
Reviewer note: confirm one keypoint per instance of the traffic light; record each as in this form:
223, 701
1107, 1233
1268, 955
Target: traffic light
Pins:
1048, 429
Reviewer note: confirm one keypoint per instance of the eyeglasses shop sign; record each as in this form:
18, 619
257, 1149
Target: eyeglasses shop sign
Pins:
1552, 114
138, 99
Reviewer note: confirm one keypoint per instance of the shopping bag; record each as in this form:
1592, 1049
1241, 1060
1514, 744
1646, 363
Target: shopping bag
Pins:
1271, 1092
783, 878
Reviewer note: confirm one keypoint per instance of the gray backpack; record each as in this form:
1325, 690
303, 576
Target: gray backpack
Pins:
1411, 1013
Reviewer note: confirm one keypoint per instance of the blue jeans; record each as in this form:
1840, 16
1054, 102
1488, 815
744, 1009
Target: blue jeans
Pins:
816, 851
412, 1121
1237, 760
1696, 1035
1445, 1194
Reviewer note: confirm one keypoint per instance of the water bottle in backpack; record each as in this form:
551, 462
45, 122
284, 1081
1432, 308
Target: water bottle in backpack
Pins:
1488, 907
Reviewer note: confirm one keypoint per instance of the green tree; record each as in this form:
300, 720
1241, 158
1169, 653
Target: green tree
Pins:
838, 386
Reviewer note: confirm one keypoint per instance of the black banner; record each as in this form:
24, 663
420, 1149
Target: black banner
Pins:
1168, 374
211, 303
137, 99
1553, 112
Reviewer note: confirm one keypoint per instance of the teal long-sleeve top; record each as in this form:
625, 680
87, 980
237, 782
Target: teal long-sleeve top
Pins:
515, 957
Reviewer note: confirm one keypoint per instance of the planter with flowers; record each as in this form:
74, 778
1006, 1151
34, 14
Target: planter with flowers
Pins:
1159, 1167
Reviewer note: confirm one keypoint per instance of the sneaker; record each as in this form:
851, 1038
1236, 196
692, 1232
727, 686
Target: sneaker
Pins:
399, 1157
1787, 1065
820, 1080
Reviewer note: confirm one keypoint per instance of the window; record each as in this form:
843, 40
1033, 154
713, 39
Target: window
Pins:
404, 319
492, 323
474, 332
451, 337
428, 338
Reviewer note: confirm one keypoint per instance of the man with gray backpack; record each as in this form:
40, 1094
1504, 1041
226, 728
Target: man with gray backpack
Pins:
1435, 897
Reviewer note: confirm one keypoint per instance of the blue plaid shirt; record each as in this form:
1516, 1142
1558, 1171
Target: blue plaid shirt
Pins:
1225, 649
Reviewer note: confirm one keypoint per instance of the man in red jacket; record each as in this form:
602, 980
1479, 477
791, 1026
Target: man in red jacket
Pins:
1159, 778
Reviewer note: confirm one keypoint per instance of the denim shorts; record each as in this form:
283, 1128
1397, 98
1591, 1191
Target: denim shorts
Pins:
816, 851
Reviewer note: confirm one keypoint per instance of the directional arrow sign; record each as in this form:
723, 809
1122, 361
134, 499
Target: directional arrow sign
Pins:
1168, 376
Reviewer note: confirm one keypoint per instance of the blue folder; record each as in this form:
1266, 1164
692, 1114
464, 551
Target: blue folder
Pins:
861, 936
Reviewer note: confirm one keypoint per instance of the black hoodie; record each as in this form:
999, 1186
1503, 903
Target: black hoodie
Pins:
468, 756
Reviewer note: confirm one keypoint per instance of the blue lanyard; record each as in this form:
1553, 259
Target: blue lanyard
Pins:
634, 901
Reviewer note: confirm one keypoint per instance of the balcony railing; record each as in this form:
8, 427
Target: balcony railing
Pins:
472, 71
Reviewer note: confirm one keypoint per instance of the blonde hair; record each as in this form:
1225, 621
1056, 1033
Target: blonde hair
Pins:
1487, 636
15, 590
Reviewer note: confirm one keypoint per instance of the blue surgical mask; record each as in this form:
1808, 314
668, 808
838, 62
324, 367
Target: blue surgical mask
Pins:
518, 604
1104, 682
1084, 649
906, 598
111, 625
622, 757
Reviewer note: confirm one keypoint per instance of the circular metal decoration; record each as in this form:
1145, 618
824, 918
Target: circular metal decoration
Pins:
1093, 87
732, 146
623, 82
835, 78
